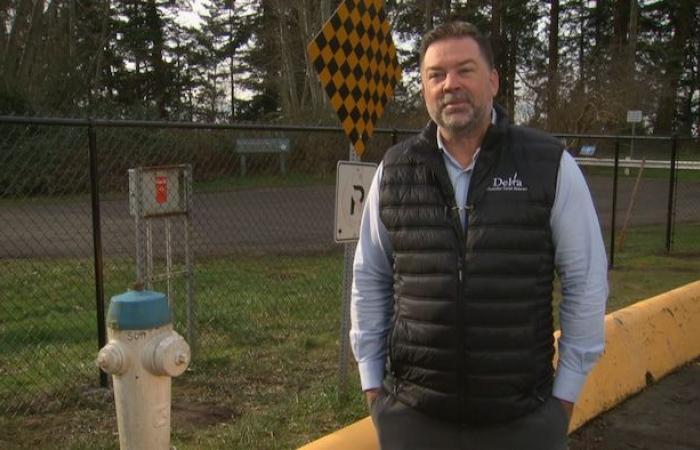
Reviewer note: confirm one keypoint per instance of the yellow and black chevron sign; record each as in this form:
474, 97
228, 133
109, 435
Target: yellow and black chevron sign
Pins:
355, 58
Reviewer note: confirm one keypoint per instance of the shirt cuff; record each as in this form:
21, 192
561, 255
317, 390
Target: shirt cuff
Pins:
567, 384
371, 373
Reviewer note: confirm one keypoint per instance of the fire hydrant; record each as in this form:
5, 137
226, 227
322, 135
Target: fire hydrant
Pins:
142, 354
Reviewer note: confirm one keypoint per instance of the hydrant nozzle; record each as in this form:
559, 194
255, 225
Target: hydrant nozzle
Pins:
168, 355
112, 359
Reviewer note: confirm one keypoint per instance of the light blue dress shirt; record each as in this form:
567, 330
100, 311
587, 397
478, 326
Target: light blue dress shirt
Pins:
580, 262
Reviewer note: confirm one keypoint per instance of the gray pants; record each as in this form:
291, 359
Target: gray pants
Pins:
400, 427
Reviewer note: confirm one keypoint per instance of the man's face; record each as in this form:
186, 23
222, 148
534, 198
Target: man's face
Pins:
458, 85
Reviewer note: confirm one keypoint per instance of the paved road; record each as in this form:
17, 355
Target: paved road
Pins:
295, 219
665, 416
282, 220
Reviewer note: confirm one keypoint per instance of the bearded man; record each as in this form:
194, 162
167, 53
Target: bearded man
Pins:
463, 230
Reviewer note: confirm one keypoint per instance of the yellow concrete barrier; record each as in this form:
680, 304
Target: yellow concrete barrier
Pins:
643, 342
358, 436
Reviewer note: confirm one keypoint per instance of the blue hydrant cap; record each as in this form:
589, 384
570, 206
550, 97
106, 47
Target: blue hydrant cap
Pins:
138, 310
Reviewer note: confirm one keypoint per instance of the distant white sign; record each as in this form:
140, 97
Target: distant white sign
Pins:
352, 185
634, 116
587, 150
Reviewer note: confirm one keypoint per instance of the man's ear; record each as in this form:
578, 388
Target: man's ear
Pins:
494, 81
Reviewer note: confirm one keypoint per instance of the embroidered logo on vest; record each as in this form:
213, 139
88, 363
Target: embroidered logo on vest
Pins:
511, 184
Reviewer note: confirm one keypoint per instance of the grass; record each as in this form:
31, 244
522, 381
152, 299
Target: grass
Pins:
220, 184
267, 329
662, 174
265, 370
643, 268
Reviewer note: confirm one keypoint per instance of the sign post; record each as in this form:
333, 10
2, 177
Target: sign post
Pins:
163, 193
356, 62
633, 117
353, 180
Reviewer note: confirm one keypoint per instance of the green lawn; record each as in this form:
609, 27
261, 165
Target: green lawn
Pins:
265, 371
663, 174
220, 184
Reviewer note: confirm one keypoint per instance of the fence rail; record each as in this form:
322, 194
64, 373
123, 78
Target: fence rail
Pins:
632, 163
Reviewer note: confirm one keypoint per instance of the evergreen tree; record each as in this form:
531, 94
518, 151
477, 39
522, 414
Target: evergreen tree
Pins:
569, 65
143, 71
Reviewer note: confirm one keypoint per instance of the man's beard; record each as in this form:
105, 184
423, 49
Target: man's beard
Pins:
460, 122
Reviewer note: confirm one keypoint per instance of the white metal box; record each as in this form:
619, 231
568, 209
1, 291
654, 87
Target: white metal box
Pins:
159, 190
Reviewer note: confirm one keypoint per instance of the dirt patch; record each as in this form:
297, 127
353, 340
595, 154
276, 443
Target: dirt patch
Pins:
190, 415
665, 416
684, 254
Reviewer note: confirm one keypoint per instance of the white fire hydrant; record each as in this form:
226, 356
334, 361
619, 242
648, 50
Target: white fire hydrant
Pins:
142, 354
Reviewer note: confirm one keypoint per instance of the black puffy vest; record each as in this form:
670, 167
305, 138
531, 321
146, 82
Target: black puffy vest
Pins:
471, 340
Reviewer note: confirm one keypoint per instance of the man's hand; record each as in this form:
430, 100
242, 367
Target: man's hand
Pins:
568, 407
371, 396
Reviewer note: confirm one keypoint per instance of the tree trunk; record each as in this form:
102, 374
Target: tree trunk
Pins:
4, 31
621, 17
232, 81
310, 25
505, 56
599, 26
601, 42
632, 40
497, 43
681, 18
621, 21
285, 44
510, 80
582, 45
160, 71
447, 7
94, 79
27, 12
553, 66
428, 15
29, 65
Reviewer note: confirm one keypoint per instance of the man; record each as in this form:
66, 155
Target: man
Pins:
462, 232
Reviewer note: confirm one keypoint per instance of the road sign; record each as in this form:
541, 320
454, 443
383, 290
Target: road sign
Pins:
352, 186
355, 58
634, 116
587, 150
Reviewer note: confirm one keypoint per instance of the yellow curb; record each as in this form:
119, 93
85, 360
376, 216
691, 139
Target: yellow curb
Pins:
643, 342
358, 436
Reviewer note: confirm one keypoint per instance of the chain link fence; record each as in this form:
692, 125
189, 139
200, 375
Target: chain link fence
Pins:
262, 306
266, 284
686, 203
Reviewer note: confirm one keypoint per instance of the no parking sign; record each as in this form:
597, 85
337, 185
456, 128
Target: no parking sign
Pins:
352, 185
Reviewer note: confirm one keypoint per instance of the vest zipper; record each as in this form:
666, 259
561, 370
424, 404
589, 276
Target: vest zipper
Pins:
463, 231
460, 234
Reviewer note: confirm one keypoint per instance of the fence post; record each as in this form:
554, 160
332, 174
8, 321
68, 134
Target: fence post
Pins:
97, 244
348, 259
611, 263
671, 192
